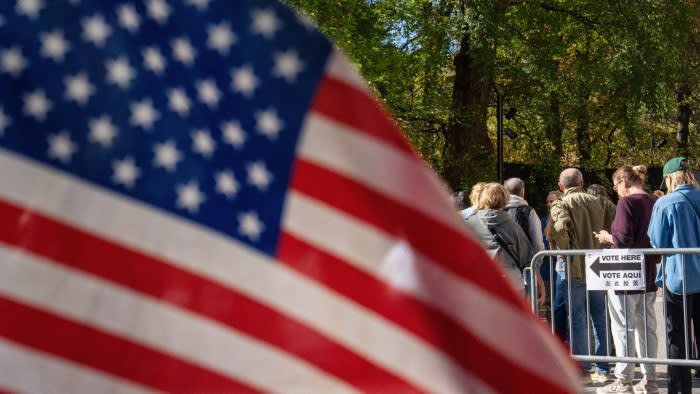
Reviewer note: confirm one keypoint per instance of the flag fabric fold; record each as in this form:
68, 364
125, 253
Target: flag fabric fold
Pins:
204, 196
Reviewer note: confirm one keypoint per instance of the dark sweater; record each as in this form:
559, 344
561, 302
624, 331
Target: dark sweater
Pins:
629, 231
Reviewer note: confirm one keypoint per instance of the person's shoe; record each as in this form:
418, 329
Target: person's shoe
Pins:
617, 386
599, 377
646, 387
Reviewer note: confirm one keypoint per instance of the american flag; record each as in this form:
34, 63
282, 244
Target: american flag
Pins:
203, 196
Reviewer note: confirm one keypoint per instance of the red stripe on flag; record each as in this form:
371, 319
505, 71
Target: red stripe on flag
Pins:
443, 245
148, 275
429, 324
356, 108
85, 345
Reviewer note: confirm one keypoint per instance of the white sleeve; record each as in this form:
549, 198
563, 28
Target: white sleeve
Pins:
536, 231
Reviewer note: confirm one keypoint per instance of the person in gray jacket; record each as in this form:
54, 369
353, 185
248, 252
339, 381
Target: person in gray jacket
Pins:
501, 236
523, 214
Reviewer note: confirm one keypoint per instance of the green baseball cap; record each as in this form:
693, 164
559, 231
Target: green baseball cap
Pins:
679, 163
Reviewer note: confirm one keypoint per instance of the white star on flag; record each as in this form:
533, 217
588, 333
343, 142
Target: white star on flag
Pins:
95, 30
54, 46
202, 143
233, 134
220, 37
30, 8
143, 114
178, 101
265, 23
243, 80
226, 183
159, 10
258, 175
183, 51
102, 131
189, 196
125, 172
200, 4
12, 61
153, 60
119, 72
268, 123
208, 93
79, 88
37, 105
287, 65
61, 147
129, 18
167, 156
250, 226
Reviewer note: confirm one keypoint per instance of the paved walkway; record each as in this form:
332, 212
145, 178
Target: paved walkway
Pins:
661, 381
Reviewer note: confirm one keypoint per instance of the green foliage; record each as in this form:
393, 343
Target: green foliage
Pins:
592, 80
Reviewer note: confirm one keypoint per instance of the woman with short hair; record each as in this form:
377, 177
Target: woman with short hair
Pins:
501, 236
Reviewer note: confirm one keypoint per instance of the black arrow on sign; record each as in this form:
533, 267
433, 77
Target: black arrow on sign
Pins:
597, 266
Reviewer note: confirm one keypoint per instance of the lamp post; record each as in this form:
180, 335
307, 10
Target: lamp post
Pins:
499, 136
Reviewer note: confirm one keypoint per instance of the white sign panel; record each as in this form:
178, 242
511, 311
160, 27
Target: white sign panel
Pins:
614, 269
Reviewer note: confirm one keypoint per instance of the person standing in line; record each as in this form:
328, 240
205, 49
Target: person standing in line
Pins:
458, 200
627, 309
559, 312
675, 223
523, 214
500, 235
574, 219
473, 200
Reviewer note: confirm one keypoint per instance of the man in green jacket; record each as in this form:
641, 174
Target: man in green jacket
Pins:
575, 219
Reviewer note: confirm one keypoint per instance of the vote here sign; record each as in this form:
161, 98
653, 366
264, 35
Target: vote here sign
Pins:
614, 269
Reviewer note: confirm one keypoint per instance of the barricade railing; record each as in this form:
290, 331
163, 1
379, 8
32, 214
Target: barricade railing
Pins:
535, 265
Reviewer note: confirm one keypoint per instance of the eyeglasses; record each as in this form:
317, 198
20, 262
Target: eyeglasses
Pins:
617, 183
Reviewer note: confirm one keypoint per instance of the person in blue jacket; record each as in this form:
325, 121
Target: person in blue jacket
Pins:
675, 223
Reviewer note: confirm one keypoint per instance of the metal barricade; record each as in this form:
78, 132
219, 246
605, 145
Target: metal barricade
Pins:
535, 265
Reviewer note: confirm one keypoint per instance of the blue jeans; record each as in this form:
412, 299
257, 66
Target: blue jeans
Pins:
559, 313
579, 323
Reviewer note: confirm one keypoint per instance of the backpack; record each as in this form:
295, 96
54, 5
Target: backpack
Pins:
522, 217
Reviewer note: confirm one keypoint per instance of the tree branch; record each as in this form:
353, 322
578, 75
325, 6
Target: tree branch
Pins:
430, 126
575, 14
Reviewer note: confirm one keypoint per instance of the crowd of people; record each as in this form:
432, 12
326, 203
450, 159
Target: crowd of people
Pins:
669, 217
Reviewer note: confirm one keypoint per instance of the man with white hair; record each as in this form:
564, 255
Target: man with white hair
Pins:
576, 216
523, 213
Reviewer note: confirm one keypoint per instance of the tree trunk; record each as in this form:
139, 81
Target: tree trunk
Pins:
554, 126
469, 152
582, 138
683, 114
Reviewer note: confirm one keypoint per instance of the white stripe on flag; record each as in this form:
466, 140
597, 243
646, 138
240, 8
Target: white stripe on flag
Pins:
27, 371
339, 68
329, 229
393, 261
375, 164
141, 319
230, 264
